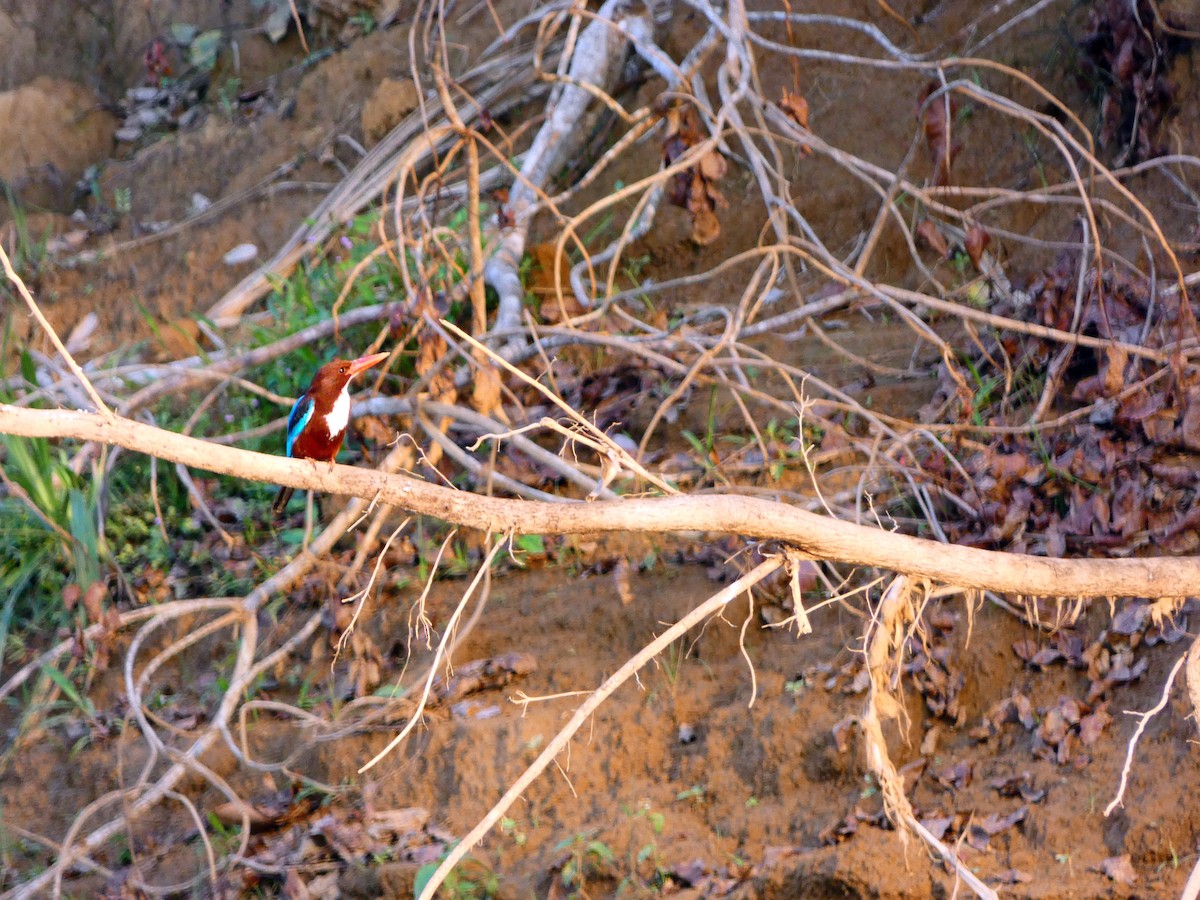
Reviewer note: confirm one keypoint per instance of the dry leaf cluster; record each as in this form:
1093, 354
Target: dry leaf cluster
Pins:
1128, 53
1120, 475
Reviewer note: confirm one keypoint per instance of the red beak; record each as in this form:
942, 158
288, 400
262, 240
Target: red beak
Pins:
365, 362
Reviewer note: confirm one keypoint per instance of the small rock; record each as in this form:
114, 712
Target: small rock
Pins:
199, 203
625, 442
144, 94
242, 253
68, 242
1103, 413
190, 117
474, 709
147, 117
1119, 869
128, 134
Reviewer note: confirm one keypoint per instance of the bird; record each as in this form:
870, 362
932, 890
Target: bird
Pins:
317, 422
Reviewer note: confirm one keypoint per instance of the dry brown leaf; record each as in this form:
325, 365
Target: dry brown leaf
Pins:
1023, 707
621, 578
485, 394
995, 823
374, 430
1189, 427
955, 776
1018, 786
938, 826
541, 273
706, 228
71, 595
390, 824
1012, 876
929, 743
1114, 374
977, 240
366, 662
713, 166
841, 733
929, 233
695, 189
231, 813
93, 601
796, 107
1025, 648
1092, 726
936, 125
1131, 619
346, 837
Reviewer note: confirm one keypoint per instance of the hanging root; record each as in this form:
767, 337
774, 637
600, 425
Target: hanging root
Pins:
895, 620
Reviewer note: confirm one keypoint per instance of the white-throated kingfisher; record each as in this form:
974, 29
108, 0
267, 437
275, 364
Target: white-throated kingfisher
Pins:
318, 420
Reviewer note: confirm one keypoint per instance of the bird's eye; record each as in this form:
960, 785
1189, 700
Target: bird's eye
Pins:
342, 370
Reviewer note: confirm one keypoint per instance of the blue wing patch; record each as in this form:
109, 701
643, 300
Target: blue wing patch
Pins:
302, 412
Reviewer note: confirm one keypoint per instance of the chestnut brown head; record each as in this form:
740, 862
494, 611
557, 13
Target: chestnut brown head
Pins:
332, 377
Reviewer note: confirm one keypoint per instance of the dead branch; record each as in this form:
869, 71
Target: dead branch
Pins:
819, 536
500, 82
596, 62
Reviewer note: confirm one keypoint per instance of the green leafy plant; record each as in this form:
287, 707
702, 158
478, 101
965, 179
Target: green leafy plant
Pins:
365, 22
203, 47
510, 827
225, 837
51, 515
646, 864
26, 251
589, 859
469, 880
123, 201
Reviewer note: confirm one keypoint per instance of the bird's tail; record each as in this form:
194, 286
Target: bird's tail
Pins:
281, 499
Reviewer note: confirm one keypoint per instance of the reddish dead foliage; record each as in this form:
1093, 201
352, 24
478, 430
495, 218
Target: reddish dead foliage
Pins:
933, 238
695, 187
937, 115
976, 242
1122, 479
1128, 52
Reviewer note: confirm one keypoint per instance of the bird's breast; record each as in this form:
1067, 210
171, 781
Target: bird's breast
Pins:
338, 416
321, 436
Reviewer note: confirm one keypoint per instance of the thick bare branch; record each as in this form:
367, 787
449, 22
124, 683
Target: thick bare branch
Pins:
596, 62
819, 536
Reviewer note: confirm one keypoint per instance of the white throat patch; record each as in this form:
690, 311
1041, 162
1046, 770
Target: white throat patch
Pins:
339, 414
